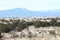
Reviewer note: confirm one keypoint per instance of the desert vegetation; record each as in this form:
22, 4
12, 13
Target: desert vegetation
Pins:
10, 24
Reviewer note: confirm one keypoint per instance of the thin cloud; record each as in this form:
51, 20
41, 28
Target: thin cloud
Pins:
30, 4
4, 2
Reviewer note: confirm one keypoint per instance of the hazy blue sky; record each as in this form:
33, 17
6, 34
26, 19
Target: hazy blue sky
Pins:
30, 4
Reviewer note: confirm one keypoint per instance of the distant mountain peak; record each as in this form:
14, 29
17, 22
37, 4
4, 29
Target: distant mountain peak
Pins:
20, 9
23, 12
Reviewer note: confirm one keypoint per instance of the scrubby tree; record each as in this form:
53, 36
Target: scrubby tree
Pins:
53, 22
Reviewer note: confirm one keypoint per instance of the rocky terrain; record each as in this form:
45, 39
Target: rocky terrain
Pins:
32, 33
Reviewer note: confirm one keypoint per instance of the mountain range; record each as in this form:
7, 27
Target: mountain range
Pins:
20, 12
